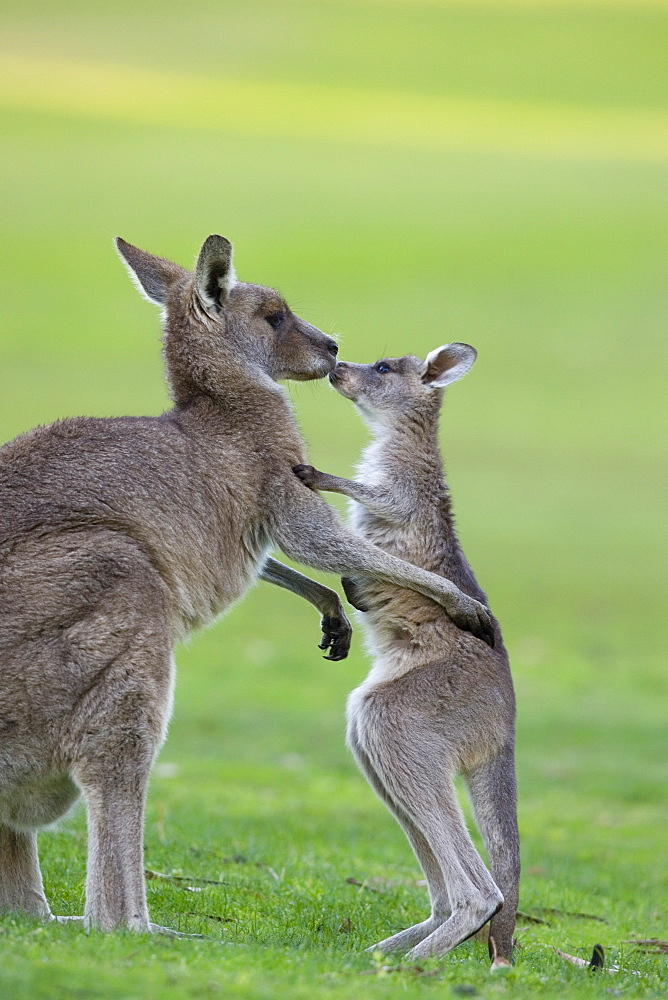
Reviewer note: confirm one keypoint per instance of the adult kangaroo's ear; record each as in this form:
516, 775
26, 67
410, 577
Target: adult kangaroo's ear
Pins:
152, 275
447, 364
214, 273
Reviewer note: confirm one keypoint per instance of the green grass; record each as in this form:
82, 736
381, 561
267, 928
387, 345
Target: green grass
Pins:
408, 174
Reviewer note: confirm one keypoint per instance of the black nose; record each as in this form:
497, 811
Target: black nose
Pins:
332, 347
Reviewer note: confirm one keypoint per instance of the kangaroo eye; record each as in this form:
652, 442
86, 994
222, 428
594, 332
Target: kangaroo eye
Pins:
275, 319
383, 367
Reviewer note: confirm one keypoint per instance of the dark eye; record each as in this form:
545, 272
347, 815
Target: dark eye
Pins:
275, 319
383, 367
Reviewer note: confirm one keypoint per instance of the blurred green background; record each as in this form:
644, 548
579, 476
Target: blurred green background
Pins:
408, 173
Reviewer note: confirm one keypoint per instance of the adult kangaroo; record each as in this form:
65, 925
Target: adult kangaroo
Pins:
120, 536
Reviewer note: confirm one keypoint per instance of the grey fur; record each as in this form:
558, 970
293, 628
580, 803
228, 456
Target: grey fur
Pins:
437, 702
118, 537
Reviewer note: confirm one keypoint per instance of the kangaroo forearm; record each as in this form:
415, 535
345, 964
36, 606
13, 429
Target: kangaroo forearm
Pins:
332, 484
321, 541
377, 499
321, 597
373, 561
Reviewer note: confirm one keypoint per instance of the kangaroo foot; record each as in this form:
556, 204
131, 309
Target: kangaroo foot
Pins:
407, 938
459, 927
151, 929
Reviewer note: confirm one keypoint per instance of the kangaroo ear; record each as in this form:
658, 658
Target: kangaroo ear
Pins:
214, 273
447, 364
152, 275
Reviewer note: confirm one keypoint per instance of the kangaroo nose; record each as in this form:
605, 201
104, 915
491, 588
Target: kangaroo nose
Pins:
332, 347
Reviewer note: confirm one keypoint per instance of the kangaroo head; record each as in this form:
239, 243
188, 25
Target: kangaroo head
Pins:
218, 329
395, 386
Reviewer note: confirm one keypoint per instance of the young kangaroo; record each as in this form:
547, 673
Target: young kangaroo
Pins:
120, 536
436, 703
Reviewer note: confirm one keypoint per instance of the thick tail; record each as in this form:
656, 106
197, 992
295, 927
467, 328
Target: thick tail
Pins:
494, 796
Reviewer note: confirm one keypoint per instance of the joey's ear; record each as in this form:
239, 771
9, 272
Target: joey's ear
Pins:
214, 273
447, 364
152, 275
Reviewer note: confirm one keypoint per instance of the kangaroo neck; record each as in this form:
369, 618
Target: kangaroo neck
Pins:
257, 412
404, 457
405, 447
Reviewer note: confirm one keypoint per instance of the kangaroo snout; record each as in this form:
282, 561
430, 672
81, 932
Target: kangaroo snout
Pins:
341, 380
340, 372
321, 346
331, 349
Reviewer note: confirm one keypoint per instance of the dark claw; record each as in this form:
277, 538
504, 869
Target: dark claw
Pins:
487, 632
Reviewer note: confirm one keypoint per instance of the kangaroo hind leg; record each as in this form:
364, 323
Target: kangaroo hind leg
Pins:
119, 727
418, 785
473, 895
440, 909
21, 885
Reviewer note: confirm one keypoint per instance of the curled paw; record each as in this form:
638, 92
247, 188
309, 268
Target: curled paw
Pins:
308, 475
472, 616
336, 636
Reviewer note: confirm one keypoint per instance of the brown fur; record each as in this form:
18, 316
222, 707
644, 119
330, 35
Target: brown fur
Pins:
437, 702
120, 536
